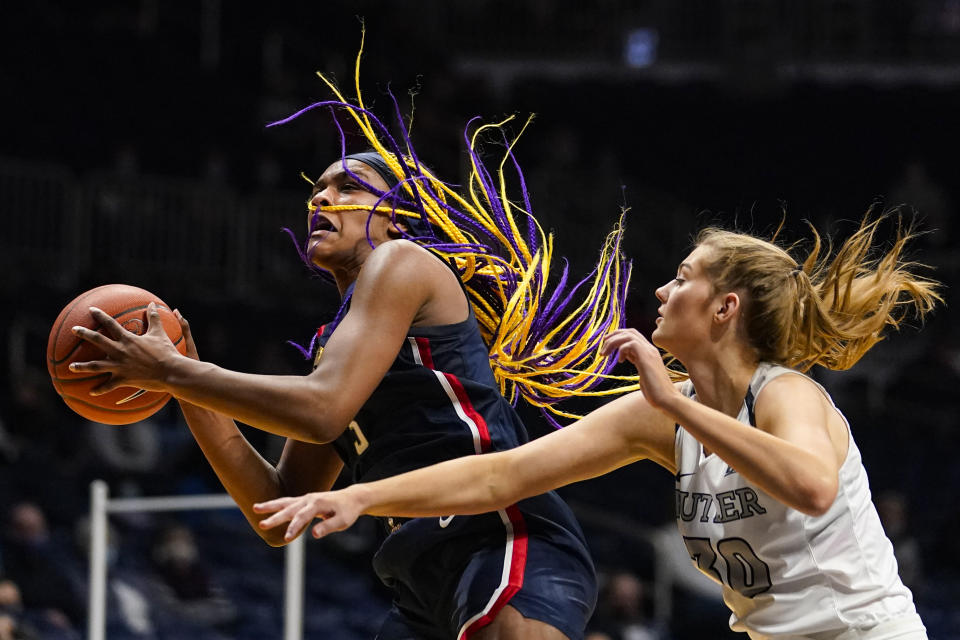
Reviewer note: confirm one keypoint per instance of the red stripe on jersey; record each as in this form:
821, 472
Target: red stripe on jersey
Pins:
515, 545
468, 409
518, 565
423, 345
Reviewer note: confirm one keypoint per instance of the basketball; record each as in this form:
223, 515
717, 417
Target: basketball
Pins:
128, 306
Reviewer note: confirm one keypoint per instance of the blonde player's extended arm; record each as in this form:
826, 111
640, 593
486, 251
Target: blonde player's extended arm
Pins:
621, 432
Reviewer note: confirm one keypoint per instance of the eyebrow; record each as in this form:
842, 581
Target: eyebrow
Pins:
340, 174
684, 265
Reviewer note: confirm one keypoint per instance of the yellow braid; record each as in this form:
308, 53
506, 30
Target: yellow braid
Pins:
508, 292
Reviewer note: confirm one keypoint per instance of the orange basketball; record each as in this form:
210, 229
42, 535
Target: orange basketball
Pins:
128, 306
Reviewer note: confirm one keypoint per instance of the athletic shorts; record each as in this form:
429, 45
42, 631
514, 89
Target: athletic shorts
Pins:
452, 576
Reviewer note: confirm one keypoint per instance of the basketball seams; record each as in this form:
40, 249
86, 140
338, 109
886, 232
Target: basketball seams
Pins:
134, 302
65, 315
143, 402
118, 416
163, 398
97, 327
54, 340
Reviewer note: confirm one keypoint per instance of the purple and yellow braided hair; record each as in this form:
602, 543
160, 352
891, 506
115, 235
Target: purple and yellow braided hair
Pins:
544, 340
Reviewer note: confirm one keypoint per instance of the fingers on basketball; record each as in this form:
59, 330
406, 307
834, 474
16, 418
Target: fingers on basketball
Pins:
123, 307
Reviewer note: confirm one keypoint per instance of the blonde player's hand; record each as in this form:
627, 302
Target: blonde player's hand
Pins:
631, 345
336, 509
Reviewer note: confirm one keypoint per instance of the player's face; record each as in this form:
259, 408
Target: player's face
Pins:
339, 238
686, 308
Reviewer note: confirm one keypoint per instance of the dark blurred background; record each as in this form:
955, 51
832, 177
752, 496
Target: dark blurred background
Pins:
134, 150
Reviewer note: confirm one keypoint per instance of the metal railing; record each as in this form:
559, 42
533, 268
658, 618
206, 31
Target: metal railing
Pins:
102, 505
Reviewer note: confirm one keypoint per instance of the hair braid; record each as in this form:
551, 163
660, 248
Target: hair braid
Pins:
543, 340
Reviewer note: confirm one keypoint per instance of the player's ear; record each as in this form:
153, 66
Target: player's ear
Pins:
394, 230
727, 308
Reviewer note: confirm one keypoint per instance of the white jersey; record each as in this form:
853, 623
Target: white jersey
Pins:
786, 574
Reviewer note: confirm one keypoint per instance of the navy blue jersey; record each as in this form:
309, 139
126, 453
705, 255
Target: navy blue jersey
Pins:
451, 576
438, 401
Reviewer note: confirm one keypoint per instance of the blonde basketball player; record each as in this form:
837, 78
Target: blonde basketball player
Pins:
772, 499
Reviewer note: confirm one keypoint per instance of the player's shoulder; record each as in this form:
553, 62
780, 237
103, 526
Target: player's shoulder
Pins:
399, 253
782, 380
790, 388
399, 264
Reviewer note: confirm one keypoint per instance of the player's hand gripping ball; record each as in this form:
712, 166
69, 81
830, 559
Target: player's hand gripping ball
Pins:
128, 306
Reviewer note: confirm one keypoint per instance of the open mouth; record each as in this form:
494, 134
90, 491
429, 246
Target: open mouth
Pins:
321, 223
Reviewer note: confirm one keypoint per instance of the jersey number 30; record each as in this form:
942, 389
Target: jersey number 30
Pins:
747, 574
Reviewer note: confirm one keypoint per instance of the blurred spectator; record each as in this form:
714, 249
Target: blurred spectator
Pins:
186, 579
47, 575
135, 459
42, 435
8, 627
37, 414
127, 451
154, 456
129, 613
622, 610
698, 610
923, 389
10, 596
673, 562
13, 626
894, 514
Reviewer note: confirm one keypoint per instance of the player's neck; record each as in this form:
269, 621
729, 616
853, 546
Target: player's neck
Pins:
344, 280
722, 384
346, 274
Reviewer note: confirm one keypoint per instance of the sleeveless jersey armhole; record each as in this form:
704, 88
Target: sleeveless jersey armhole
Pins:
451, 265
819, 387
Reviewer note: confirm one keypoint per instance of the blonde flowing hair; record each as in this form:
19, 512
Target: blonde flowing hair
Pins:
828, 307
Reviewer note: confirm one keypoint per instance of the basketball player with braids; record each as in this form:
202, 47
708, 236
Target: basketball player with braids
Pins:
772, 499
446, 310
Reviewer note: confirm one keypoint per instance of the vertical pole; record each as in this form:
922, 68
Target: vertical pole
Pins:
96, 617
293, 590
662, 585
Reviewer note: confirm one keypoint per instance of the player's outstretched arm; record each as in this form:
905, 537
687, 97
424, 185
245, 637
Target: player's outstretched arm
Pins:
621, 432
790, 454
391, 290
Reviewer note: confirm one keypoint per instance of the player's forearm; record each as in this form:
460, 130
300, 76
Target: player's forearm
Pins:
591, 447
464, 486
291, 406
246, 476
782, 469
